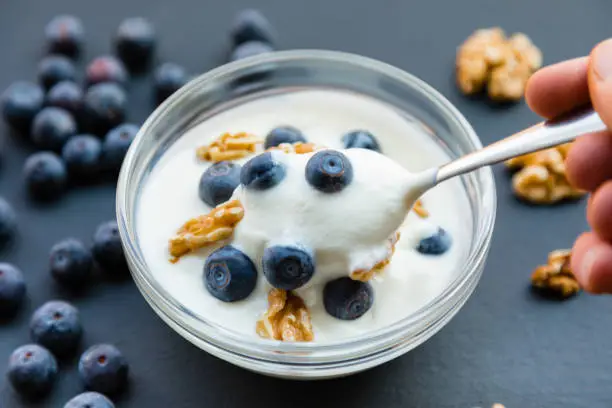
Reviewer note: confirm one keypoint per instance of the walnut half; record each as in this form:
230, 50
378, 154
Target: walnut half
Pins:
556, 277
365, 275
287, 318
206, 229
229, 146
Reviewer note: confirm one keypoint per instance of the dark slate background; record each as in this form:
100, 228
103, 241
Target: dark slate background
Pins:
506, 345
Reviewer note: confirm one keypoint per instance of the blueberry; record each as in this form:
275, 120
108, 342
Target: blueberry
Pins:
106, 69
347, 299
283, 134
65, 35
68, 96
262, 172
55, 68
32, 370
104, 369
71, 262
218, 182
169, 78
287, 267
20, 103
45, 175
57, 326
135, 42
116, 144
229, 275
104, 108
89, 399
329, 171
8, 222
251, 25
360, 139
250, 49
436, 244
82, 155
12, 289
107, 249
52, 127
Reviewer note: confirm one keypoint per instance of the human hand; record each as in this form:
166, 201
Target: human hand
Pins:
554, 90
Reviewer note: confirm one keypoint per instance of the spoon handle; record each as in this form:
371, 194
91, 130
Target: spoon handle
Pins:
546, 134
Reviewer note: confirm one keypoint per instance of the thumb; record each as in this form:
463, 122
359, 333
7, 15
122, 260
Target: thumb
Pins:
600, 80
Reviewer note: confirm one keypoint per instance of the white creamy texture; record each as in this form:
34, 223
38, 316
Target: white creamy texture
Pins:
411, 280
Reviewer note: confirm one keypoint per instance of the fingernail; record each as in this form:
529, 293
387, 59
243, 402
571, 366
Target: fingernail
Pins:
602, 60
586, 266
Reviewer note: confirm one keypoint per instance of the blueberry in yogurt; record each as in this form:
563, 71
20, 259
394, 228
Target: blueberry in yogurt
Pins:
347, 299
262, 172
218, 182
329, 171
229, 274
435, 244
288, 267
283, 134
32, 370
360, 139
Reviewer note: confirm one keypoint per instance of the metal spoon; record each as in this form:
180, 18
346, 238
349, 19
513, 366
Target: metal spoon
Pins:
550, 133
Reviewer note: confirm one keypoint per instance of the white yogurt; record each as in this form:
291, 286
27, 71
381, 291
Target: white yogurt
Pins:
170, 197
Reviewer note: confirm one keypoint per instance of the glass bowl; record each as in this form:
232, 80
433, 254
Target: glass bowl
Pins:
288, 71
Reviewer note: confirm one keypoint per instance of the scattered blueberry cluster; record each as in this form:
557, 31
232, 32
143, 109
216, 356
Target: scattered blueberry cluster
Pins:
55, 327
230, 275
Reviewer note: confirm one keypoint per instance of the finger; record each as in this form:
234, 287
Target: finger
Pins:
558, 88
600, 80
588, 162
591, 263
599, 211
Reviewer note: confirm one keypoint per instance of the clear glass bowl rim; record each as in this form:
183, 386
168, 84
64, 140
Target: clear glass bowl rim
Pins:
271, 351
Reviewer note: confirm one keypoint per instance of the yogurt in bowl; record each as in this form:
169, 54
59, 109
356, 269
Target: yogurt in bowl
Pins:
374, 279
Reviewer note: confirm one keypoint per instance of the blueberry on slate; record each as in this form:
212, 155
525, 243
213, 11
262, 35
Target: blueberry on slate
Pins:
45, 175
250, 49
57, 326
116, 144
135, 42
32, 370
251, 25
65, 35
283, 134
107, 249
66, 95
12, 289
347, 299
218, 182
329, 171
262, 172
71, 262
287, 267
169, 78
55, 68
229, 275
104, 369
360, 139
8, 222
106, 69
104, 108
20, 103
436, 244
89, 399
82, 155
52, 127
